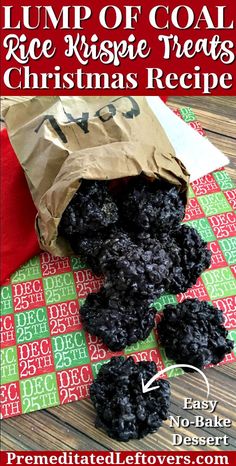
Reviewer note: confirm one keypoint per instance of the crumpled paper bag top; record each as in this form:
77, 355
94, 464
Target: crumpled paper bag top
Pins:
61, 140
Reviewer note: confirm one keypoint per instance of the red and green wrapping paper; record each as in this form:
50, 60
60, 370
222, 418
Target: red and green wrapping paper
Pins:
46, 357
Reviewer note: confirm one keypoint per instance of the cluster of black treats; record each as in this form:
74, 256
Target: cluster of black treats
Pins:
136, 240
123, 410
193, 333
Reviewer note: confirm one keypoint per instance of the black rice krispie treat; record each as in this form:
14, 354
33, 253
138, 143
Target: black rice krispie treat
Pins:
91, 209
88, 220
193, 333
153, 206
119, 320
189, 256
136, 269
123, 410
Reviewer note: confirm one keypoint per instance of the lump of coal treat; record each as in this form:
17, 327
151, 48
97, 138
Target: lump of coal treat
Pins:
88, 248
91, 209
123, 410
138, 269
193, 333
119, 320
189, 257
153, 206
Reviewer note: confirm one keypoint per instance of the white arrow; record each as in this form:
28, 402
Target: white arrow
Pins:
146, 387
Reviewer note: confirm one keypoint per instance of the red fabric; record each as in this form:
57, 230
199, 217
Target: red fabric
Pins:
17, 213
18, 240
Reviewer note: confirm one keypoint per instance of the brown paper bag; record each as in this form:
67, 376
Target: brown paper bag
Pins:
61, 140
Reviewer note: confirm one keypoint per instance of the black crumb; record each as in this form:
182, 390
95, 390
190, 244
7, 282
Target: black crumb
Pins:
193, 333
123, 410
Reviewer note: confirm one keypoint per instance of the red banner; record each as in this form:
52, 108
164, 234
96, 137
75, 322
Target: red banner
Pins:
137, 458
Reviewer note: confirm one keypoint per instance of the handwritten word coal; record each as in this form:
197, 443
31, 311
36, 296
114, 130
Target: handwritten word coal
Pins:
104, 114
